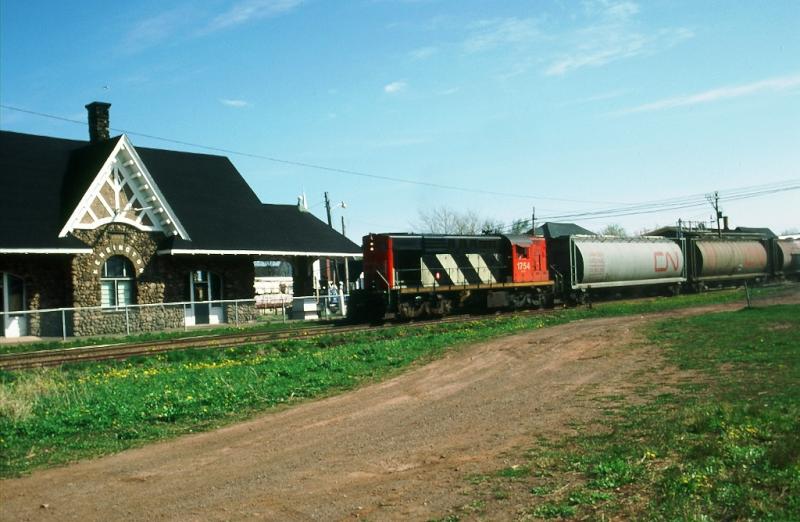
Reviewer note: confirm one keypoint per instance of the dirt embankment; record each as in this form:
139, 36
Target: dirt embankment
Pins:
396, 450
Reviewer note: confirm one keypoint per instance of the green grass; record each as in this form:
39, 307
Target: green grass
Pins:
728, 449
55, 416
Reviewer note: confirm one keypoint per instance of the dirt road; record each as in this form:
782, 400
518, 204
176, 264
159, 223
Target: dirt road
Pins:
397, 450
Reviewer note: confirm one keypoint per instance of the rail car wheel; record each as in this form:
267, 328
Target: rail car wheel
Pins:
518, 300
548, 299
577, 298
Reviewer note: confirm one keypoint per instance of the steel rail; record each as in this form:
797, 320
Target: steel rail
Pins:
121, 351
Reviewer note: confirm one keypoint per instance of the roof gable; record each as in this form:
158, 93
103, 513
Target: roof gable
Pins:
122, 191
47, 181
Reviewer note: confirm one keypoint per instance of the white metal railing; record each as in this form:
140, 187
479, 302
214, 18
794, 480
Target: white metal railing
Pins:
155, 317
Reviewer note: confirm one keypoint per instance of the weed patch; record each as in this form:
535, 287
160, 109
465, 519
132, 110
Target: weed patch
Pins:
724, 449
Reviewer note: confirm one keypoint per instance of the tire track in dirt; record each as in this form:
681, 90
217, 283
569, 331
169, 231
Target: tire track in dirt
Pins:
394, 450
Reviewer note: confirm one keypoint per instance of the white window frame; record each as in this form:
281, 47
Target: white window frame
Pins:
115, 283
15, 324
215, 311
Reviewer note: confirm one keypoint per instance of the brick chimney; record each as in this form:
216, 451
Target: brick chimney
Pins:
98, 121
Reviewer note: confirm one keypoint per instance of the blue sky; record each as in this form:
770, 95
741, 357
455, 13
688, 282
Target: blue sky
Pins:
566, 106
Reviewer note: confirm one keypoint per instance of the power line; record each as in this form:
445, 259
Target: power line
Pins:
311, 165
681, 203
648, 207
678, 203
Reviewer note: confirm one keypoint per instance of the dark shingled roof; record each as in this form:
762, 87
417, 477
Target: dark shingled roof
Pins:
32, 170
553, 230
764, 232
44, 178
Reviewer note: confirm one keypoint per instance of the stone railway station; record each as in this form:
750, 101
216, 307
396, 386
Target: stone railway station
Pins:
101, 225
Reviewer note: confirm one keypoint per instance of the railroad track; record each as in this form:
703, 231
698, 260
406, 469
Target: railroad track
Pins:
57, 357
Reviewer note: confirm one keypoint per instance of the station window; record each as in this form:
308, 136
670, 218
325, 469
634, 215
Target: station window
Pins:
204, 286
12, 298
116, 283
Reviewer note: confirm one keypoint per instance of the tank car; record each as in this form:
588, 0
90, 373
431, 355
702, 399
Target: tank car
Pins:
415, 275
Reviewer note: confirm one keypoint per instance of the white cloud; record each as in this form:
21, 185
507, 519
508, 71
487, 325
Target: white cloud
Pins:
155, 29
610, 36
489, 34
248, 10
423, 53
601, 53
234, 103
784, 83
196, 21
395, 87
596, 97
610, 9
448, 92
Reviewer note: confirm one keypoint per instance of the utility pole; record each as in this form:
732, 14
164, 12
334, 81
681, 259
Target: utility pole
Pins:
533, 221
714, 200
328, 209
330, 224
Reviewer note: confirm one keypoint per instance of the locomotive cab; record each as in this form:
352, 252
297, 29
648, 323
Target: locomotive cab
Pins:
528, 258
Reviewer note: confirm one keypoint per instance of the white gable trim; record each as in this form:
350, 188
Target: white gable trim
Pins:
163, 218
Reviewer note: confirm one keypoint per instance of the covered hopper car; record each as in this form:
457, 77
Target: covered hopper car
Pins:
787, 257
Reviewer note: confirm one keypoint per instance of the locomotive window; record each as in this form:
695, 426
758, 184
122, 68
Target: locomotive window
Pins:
522, 252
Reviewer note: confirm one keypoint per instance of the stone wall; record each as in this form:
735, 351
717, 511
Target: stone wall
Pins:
136, 320
65, 281
111, 240
47, 285
159, 279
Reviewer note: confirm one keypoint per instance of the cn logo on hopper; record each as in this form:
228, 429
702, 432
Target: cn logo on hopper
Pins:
662, 261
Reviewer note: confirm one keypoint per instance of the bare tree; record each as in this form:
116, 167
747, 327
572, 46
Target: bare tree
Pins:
614, 229
790, 231
492, 226
445, 220
519, 226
